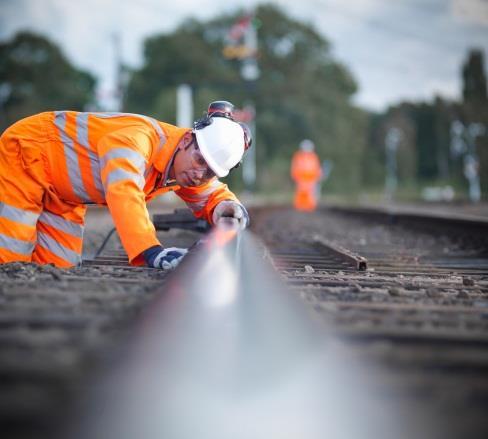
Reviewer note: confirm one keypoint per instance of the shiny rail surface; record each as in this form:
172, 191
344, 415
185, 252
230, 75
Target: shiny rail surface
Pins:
226, 351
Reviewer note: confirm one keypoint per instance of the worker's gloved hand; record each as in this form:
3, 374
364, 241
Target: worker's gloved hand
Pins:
165, 258
231, 209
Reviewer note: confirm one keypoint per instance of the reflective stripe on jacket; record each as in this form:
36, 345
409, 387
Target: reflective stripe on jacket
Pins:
114, 159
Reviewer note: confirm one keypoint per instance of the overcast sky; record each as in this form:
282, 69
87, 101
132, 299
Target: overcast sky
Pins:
396, 50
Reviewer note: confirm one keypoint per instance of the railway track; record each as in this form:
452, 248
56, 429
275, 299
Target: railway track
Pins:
408, 296
417, 309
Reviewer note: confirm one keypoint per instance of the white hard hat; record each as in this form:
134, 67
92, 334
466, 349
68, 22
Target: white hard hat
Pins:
222, 144
307, 145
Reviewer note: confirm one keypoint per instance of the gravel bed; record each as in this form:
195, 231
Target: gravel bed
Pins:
424, 329
57, 327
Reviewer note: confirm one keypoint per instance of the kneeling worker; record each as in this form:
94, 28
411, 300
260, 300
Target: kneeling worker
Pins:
53, 164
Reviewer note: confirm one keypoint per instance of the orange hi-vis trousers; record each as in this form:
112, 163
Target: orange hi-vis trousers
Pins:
305, 196
29, 231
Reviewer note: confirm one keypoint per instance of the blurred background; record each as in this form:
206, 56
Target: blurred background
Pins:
393, 94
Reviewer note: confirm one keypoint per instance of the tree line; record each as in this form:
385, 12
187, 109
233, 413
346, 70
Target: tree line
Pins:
302, 92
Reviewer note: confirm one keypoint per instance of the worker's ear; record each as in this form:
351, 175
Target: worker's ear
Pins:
186, 140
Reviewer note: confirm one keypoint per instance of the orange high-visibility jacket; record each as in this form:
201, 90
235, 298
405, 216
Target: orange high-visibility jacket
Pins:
305, 167
118, 159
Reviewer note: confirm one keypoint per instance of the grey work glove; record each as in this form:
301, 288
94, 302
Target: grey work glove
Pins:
231, 209
165, 258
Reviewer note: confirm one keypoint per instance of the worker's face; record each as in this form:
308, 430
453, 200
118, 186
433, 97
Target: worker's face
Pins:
189, 166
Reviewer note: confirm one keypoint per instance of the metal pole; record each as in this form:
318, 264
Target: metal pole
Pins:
249, 163
392, 141
463, 143
119, 74
184, 106
250, 73
471, 161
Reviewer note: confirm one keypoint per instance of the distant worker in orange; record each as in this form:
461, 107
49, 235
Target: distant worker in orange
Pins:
306, 172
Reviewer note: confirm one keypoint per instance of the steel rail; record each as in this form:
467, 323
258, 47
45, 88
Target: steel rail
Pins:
359, 262
226, 351
471, 229
419, 310
406, 217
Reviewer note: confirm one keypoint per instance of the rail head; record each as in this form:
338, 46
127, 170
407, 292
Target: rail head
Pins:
417, 217
227, 351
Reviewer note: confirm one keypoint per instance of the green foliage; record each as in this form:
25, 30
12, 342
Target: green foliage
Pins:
426, 128
424, 149
373, 161
302, 92
474, 79
35, 76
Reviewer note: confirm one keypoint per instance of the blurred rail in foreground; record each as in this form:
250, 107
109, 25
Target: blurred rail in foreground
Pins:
226, 351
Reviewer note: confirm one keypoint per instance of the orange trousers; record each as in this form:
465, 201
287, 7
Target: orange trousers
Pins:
35, 225
305, 196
